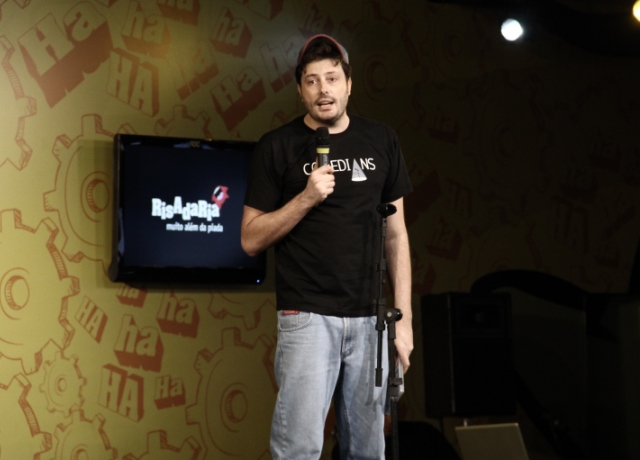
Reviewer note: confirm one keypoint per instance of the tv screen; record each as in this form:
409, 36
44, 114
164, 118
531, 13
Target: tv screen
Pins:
177, 211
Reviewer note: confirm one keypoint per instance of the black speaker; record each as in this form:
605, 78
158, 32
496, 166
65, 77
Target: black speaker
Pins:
468, 354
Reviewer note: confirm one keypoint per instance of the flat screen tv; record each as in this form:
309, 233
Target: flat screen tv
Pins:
177, 211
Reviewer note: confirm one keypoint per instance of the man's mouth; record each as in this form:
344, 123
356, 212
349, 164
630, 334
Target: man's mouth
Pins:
325, 103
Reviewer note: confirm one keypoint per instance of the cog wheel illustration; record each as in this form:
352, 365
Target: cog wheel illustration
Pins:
233, 402
389, 71
158, 448
33, 292
455, 54
82, 438
63, 384
245, 306
14, 101
20, 435
82, 195
182, 124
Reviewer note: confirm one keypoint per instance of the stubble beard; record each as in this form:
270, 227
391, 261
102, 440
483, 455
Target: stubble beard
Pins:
332, 121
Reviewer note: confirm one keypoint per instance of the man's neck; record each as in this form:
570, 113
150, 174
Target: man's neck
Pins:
341, 125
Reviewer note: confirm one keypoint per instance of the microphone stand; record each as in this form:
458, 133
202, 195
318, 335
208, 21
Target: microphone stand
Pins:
388, 317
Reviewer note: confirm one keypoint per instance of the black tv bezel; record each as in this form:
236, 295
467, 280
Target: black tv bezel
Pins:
119, 271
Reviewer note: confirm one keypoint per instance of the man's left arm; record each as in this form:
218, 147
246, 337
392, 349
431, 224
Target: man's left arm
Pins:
399, 269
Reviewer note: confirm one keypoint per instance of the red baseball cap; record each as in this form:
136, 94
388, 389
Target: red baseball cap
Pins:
341, 49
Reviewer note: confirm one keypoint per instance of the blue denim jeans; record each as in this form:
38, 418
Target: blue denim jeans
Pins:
319, 357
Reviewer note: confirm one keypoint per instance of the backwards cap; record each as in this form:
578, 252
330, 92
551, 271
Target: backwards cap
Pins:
331, 40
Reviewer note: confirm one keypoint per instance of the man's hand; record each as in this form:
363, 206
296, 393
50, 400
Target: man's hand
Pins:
404, 341
320, 184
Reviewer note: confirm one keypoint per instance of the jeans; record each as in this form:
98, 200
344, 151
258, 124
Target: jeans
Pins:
319, 357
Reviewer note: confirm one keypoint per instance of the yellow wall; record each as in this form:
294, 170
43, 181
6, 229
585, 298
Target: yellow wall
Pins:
521, 158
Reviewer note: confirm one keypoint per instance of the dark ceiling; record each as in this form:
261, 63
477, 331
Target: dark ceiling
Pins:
604, 27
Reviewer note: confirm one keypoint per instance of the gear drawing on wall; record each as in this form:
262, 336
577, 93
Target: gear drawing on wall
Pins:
454, 54
184, 125
34, 294
62, 385
82, 195
20, 435
82, 438
14, 101
384, 70
231, 406
224, 305
159, 448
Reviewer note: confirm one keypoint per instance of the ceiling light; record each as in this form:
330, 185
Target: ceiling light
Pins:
512, 29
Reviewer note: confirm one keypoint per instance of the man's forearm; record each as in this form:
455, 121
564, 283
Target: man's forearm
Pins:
399, 268
399, 265
261, 230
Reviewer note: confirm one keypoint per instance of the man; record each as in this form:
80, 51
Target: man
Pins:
325, 228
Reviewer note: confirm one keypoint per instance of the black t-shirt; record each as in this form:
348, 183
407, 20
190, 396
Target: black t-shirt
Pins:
327, 263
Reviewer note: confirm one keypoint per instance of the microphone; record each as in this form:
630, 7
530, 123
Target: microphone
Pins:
322, 146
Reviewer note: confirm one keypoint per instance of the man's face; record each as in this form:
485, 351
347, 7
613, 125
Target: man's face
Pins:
325, 91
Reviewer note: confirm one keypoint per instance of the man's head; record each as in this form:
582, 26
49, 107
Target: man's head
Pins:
324, 82
321, 47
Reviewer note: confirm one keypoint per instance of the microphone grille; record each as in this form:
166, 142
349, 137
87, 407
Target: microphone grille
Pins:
322, 136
